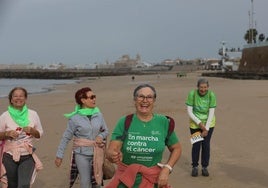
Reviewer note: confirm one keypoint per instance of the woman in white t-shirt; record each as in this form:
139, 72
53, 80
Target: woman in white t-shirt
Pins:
18, 128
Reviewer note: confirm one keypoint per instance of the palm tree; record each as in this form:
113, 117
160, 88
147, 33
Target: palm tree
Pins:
261, 37
251, 35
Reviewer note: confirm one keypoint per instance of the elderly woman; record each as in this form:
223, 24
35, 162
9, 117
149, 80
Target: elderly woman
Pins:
201, 104
18, 127
89, 130
138, 148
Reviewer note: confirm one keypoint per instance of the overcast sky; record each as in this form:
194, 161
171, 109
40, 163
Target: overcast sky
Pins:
96, 31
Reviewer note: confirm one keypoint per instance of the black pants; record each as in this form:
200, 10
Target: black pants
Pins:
205, 146
19, 173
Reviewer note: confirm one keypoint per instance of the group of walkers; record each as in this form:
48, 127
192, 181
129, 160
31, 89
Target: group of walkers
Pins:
136, 145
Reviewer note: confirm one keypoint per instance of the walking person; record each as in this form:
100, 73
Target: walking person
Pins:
201, 104
138, 142
19, 126
87, 127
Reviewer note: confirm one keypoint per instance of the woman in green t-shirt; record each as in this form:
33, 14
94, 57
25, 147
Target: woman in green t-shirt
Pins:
201, 104
140, 148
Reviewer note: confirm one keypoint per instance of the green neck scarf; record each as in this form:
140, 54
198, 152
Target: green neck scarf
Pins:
19, 116
83, 111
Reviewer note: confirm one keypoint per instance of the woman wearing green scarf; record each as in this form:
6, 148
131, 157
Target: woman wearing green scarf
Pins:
85, 122
18, 126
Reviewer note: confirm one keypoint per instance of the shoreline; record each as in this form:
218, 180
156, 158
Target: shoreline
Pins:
50, 86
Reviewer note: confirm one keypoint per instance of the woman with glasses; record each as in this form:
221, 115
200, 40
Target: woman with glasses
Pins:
201, 104
19, 126
138, 148
87, 127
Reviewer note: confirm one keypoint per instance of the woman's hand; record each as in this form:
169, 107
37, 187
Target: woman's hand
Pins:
113, 153
202, 126
27, 130
204, 133
115, 157
58, 161
163, 177
31, 131
99, 141
11, 134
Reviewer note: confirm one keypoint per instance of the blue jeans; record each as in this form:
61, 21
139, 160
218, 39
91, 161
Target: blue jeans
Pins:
19, 173
205, 145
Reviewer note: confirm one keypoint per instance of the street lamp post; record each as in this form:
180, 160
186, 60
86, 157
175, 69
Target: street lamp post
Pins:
252, 21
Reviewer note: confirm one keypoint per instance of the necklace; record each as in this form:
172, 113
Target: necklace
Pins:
144, 123
145, 119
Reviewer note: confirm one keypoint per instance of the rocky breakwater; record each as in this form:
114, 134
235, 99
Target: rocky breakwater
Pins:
59, 74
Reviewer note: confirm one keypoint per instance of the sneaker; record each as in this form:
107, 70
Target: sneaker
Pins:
205, 172
195, 171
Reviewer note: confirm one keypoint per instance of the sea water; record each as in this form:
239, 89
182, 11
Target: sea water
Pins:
31, 85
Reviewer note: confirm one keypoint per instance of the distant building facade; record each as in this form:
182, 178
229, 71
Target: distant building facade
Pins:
126, 62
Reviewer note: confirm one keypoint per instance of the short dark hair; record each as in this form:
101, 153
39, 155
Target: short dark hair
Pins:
135, 93
81, 94
14, 89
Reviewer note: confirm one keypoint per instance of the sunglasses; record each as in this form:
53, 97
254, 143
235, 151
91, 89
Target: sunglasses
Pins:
91, 97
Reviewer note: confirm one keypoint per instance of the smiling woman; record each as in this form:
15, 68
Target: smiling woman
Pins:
143, 146
18, 127
201, 104
87, 128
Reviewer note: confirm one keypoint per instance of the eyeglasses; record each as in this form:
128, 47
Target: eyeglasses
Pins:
149, 98
91, 97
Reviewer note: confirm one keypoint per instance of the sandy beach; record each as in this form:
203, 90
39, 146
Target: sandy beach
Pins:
238, 146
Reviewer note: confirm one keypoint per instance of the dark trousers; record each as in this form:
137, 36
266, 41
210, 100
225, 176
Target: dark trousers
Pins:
205, 146
19, 173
